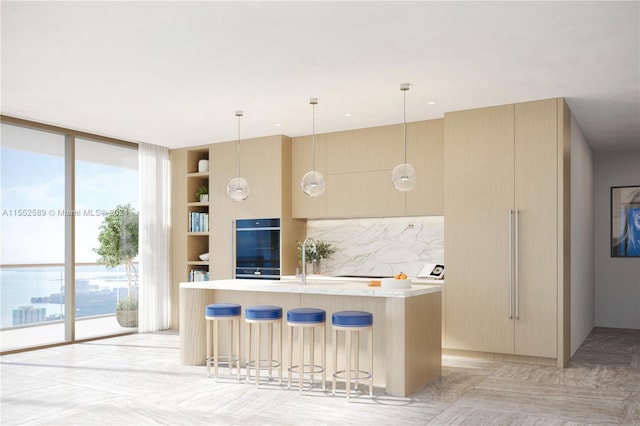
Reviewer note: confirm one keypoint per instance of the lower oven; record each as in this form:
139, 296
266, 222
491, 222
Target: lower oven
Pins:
258, 249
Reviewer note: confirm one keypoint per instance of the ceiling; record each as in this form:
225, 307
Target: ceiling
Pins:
174, 73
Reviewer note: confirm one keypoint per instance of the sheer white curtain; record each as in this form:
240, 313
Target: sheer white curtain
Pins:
155, 287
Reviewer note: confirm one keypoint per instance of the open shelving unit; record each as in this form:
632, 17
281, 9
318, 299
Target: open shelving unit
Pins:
197, 217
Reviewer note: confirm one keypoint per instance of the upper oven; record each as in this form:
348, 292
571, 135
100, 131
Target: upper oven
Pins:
258, 248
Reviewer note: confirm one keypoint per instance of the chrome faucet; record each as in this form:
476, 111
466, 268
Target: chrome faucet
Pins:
304, 260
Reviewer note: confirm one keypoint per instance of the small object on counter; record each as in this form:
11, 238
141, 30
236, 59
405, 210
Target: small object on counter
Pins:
374, 283
396, 283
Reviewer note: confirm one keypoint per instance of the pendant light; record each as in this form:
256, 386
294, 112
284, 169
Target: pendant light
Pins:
238, 188
404, 175
313, 182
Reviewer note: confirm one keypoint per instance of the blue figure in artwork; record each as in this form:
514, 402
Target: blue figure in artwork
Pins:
632, 240
628, 243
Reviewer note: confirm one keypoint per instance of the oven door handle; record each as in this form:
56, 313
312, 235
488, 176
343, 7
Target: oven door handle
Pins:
258, 229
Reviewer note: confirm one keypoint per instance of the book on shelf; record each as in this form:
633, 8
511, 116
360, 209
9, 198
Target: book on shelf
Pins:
198, 222
198, 275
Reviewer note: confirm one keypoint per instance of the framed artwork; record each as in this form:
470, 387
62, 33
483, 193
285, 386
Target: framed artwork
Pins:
625, 221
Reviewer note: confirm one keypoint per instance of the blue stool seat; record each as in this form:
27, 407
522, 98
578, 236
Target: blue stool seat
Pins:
352, 319
306, 315
301, 319
222, 310
349, 322
214, 315
271, 317
263, 313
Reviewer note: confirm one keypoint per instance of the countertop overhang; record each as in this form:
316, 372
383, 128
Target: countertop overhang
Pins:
319, 285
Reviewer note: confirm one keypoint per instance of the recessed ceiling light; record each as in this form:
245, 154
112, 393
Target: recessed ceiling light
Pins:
431, 103
277, 124
347, 114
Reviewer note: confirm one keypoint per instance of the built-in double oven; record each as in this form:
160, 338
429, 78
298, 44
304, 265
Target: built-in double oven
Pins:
257, 243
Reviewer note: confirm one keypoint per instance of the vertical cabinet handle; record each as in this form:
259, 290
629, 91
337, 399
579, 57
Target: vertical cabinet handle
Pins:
233, 250
510, 266
516, 266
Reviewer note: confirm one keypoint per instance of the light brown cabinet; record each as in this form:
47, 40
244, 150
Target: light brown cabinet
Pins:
504, 180
223, 209
357, 167
266, 164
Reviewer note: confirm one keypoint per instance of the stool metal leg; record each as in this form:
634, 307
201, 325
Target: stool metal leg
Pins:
230, 364
279, 352
348, 343
291, 328
208, 348
301, 359
270, 349
248, 364
216, 336
238, 340
371, 363
335, 362
357, 369
258, 355
313, 344
324, 357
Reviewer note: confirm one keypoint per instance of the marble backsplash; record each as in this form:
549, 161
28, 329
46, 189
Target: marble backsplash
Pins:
380, 246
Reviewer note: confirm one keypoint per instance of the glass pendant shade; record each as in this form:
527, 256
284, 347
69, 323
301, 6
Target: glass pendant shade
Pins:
238, 189
403, 177
313, 183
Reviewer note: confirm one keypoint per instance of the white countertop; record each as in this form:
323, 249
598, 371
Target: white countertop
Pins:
319, 284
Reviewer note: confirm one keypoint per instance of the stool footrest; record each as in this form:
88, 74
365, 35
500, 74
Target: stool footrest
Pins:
263, 364
224, 359
360, 375
306, 369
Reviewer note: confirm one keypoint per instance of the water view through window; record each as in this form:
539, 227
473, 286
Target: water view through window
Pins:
36, 294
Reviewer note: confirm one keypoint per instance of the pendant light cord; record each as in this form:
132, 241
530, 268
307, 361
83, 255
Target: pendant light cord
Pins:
313, 103
238, 114
404, 120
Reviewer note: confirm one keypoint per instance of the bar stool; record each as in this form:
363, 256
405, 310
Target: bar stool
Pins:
264, 315
307, 318
352, 322
214, 314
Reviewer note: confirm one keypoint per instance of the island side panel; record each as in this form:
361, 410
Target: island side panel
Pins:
193, 325
395, 345
423, 336
414, 343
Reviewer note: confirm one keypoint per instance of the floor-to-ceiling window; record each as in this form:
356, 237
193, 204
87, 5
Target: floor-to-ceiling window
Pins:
106, 184
32, 236
58, 189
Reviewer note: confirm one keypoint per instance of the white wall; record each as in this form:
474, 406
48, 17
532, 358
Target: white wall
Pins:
582, 239
617, 280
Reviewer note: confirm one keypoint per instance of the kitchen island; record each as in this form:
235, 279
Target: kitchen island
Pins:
406, 322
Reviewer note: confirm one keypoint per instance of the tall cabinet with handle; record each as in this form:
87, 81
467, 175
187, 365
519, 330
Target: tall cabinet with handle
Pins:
506, 218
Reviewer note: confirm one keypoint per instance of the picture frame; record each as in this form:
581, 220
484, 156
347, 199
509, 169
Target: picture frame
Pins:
625, 221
